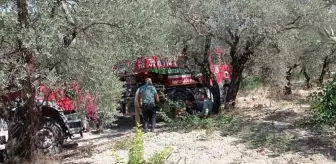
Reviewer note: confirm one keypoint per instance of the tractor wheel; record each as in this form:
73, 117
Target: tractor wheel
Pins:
49, 136
178, 97
225, 93
12, 147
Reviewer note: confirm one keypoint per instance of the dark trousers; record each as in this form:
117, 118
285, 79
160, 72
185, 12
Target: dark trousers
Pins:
148, 115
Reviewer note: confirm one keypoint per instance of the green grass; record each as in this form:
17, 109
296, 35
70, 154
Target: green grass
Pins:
254, 135
229, 124
264, 136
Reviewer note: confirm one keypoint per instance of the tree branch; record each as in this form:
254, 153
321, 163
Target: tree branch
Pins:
68, 39
229, 43
53, 8
68, 16
12, 52
330, 58
294, 21
243, 78
88, 36
184, 41
72, 35
197, 61
54, 65
23, 15
190, 20
195, 28
293, 28
292, 25
4, 41
112, 25
233, 37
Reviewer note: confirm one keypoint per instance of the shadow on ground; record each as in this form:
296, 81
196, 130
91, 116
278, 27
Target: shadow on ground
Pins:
294, 98
283, 116
96, 141
283, 132
280, 131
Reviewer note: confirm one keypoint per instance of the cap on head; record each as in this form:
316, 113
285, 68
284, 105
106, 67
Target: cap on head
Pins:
148, 81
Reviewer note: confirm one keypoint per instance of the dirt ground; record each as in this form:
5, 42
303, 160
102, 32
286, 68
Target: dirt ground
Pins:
274, 138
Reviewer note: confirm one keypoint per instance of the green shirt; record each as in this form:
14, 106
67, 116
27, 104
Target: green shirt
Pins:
147, 93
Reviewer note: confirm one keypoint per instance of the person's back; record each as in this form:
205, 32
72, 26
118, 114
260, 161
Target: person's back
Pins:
148, 94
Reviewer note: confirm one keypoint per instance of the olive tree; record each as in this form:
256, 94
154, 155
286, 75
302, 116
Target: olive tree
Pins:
247, 26
62, 40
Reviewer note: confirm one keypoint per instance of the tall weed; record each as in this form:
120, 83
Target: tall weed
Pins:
136, 152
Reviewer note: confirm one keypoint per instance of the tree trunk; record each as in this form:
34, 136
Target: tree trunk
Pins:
215, 90
265, 74
307, 78
22, 124
324, 70
22, 10
205, 65
325, 66
288, 87
238, 65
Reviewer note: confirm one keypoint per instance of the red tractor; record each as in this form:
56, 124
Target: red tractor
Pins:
173, 78
63, 114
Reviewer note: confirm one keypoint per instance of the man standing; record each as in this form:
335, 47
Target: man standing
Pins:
148, 96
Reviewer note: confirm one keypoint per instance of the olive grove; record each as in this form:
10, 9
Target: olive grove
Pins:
66, 40
82, 40
271, 34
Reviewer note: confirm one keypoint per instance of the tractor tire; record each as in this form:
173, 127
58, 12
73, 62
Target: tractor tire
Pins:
177, 97
225, 94
49, 137
11, 146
